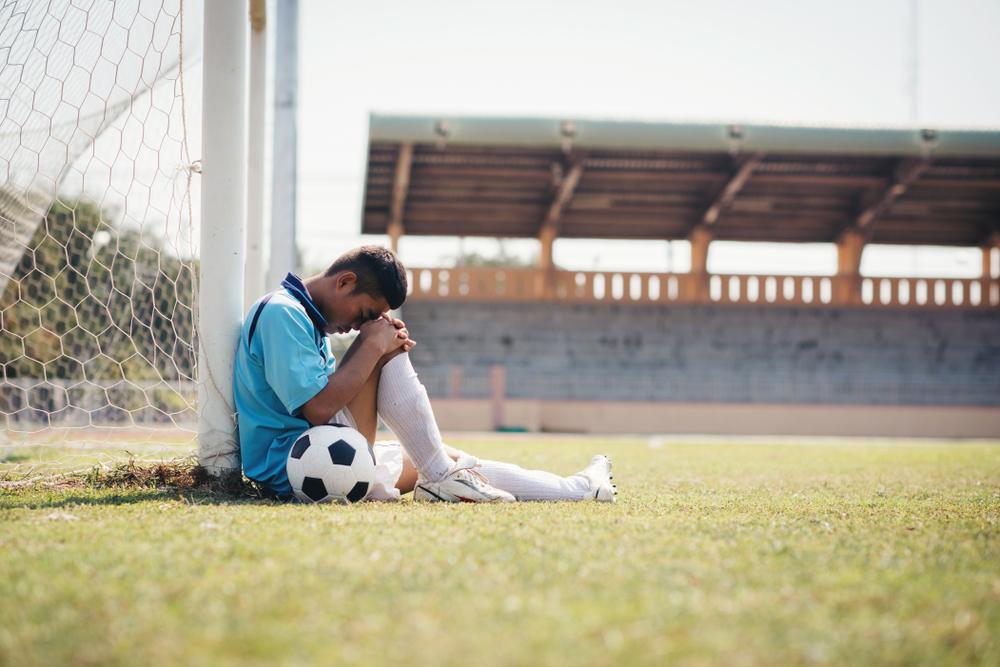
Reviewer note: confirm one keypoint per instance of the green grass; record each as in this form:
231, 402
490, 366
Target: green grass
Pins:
741, 553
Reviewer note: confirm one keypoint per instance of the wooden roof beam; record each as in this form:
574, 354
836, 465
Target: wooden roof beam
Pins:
961, 183
732, 188
905, 174
564, 194
991, 235
549, 229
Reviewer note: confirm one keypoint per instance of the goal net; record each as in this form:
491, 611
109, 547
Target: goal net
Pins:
98, 246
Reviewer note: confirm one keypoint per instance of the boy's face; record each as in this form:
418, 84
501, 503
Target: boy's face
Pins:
347, 311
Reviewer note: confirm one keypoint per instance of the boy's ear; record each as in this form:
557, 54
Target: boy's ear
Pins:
346, 279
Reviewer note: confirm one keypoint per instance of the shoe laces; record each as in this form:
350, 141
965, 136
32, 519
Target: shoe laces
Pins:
476, 476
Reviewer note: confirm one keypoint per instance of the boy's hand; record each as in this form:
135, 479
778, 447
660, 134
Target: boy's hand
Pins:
401, 331
384, 336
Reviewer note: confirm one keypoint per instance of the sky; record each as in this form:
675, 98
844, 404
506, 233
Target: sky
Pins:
841, 63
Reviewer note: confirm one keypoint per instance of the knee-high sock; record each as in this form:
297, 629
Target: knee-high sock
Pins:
526, 484
405, 408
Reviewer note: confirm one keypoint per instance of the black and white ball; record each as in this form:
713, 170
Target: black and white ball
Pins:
331, 463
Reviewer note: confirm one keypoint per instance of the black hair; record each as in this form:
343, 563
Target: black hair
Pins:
379, 272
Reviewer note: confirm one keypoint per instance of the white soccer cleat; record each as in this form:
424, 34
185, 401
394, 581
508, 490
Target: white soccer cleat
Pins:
598, 474
461, 485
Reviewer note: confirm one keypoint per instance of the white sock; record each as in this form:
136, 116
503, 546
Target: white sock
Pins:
526, 484
405, 408
344, 417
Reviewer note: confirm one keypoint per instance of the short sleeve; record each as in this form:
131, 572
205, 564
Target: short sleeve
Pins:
294, 367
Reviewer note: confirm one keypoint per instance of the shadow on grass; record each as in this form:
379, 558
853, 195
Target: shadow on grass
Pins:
119, 499
132, 482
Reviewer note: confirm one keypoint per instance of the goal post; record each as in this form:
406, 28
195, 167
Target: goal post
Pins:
257, 188
223, 228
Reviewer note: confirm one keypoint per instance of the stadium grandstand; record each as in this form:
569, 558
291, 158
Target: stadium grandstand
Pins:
543, 348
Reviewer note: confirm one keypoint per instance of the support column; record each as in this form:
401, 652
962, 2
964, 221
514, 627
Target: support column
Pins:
991, 272
395, 231
564, 186
255, 284
283, 256
456, 378
992, 243
546, 237
223, 229
847, 284
400, 189
697, 286
498, 395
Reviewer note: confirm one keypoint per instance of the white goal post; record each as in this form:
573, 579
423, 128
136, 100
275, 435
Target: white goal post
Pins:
223, 228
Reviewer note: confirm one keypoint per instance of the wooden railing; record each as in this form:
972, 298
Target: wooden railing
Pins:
530, 284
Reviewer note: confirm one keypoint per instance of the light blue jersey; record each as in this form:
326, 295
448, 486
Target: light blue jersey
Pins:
286, 362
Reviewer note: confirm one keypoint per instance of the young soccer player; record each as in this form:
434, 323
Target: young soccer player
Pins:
287, 380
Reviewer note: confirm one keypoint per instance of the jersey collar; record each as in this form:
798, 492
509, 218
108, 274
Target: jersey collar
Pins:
297, 289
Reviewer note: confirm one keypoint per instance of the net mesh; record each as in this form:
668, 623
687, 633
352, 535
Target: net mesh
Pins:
98, 257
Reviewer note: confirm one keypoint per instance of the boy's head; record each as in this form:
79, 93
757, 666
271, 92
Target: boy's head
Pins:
365, 282
378, 271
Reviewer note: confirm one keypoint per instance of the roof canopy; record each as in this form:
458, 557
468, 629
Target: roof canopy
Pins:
616, 180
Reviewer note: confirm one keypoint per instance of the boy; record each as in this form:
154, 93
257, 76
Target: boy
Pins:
286, 380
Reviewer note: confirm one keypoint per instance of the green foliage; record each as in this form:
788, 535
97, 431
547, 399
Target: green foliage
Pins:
91, 300
842, 553
502, 259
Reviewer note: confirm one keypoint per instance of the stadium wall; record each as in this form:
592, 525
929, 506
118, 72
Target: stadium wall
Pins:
710, 369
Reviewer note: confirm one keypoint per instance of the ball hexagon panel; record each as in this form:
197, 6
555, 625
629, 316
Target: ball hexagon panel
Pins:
293, 468
341, 453
339, 480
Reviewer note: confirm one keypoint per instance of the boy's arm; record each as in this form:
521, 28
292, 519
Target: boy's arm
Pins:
376, 339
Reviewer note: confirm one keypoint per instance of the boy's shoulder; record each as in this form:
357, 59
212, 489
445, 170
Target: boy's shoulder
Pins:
283, 299
279, 308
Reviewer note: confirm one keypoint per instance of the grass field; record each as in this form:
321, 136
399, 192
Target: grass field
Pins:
735, 553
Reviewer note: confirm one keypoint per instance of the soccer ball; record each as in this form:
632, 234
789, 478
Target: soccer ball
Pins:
331, 463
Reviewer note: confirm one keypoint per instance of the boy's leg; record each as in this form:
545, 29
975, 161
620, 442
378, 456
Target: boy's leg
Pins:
394, 392
403, 404
363, 407
594, 482
408, 478
591, 483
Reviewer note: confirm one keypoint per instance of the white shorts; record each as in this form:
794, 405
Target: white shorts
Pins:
388, 462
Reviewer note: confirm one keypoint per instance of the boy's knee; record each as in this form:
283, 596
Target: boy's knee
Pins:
387, 357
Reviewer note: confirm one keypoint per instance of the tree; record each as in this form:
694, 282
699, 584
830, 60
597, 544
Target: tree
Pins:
92, 301
501, 259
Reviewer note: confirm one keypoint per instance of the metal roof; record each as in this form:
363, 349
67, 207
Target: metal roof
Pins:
608, 179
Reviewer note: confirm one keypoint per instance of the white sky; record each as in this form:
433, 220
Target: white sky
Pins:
802, 61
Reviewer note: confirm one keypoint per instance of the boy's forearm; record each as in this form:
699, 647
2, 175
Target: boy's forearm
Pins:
345, 383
